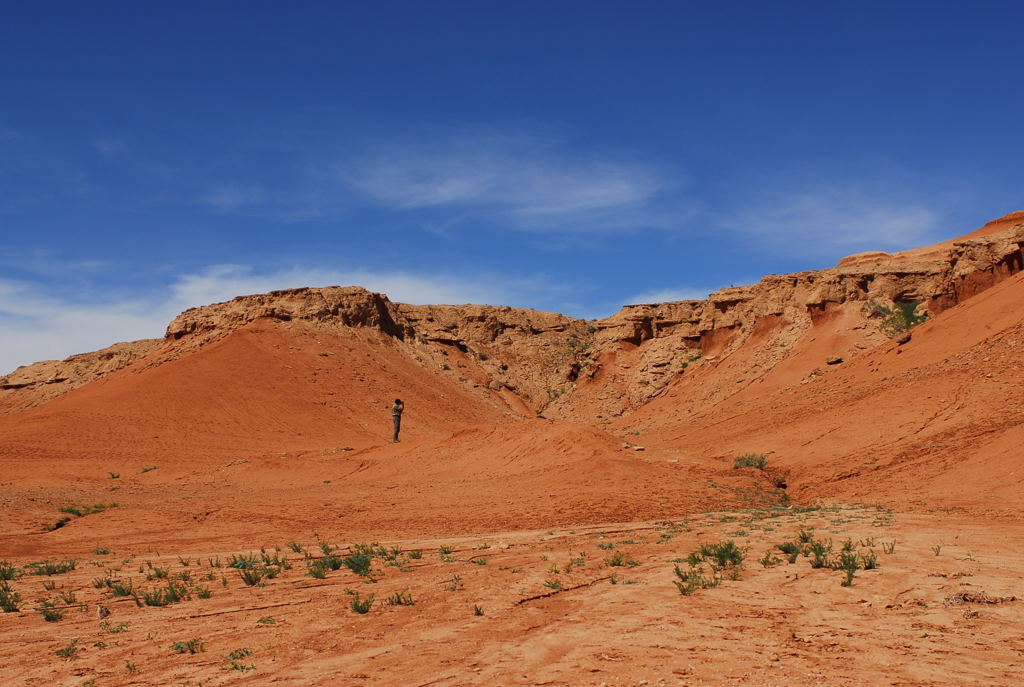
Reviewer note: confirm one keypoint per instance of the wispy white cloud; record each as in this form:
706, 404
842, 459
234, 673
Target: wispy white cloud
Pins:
40, 324
233, 196
834, 222
519, 179
668, 295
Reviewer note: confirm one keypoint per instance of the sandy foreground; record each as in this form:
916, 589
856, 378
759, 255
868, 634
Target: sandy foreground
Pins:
591, 605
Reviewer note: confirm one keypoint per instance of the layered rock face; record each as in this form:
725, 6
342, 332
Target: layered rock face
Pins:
528, 361
31, 385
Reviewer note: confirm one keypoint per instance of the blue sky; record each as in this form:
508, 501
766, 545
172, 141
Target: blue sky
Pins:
566, 156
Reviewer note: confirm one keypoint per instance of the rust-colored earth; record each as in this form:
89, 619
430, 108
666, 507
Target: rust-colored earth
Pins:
553, 476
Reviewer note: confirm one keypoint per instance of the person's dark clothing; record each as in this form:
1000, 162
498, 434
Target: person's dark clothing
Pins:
396, 416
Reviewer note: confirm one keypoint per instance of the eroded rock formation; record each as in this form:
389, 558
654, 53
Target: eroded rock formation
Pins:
530, 361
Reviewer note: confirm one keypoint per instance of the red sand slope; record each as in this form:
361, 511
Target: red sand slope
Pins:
934, 422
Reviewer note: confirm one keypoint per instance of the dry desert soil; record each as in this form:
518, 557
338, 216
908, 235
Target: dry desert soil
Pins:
224, 505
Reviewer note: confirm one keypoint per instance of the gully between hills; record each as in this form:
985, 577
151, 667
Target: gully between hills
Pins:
535, 418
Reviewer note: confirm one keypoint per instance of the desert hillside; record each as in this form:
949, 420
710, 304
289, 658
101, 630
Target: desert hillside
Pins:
877, 392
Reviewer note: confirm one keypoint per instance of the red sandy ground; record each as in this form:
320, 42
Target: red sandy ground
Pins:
279, 432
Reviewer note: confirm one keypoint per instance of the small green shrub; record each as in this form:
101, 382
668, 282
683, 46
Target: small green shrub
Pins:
869, 560
848, 563
252, 576
691, 580
750, 460
121, 588
235, 660
192, 646
361, 606
769, 560
619, 559
359, 563
444, 550
9, 599
403, 598
49, 567
69, 650
105, 626
8, 571
49, 611
722, 555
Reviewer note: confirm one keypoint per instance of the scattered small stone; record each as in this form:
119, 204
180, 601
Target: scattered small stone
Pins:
902, 338
833, 360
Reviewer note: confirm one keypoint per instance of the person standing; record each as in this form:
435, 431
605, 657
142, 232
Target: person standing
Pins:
396, 416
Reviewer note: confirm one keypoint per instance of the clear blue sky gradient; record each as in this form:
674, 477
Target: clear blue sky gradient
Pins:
566, 156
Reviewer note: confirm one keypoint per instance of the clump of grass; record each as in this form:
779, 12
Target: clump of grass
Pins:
204, 592
105, 626
101, 551
819, 550
416, 554
48, 609
267, 620
252, 576
172, 593
130, 667
889, 547
9, 599
235, 660
750, 460
693, 579
444, 551
243, 562
362, 606
359, 563
937, 549
81, 511
149, 469
848, 563
455, 584
722, 558
478, 610
722, 555
769, 559
69, 650
49, 567
121, 588
192, 646
295, 546
619, 559
8, 571
553, 584
403, 598
606, 546
869, 560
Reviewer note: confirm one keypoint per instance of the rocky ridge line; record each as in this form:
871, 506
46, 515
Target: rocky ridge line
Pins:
534, 360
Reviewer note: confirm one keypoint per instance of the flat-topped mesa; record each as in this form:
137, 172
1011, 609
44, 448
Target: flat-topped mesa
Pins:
351, 306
